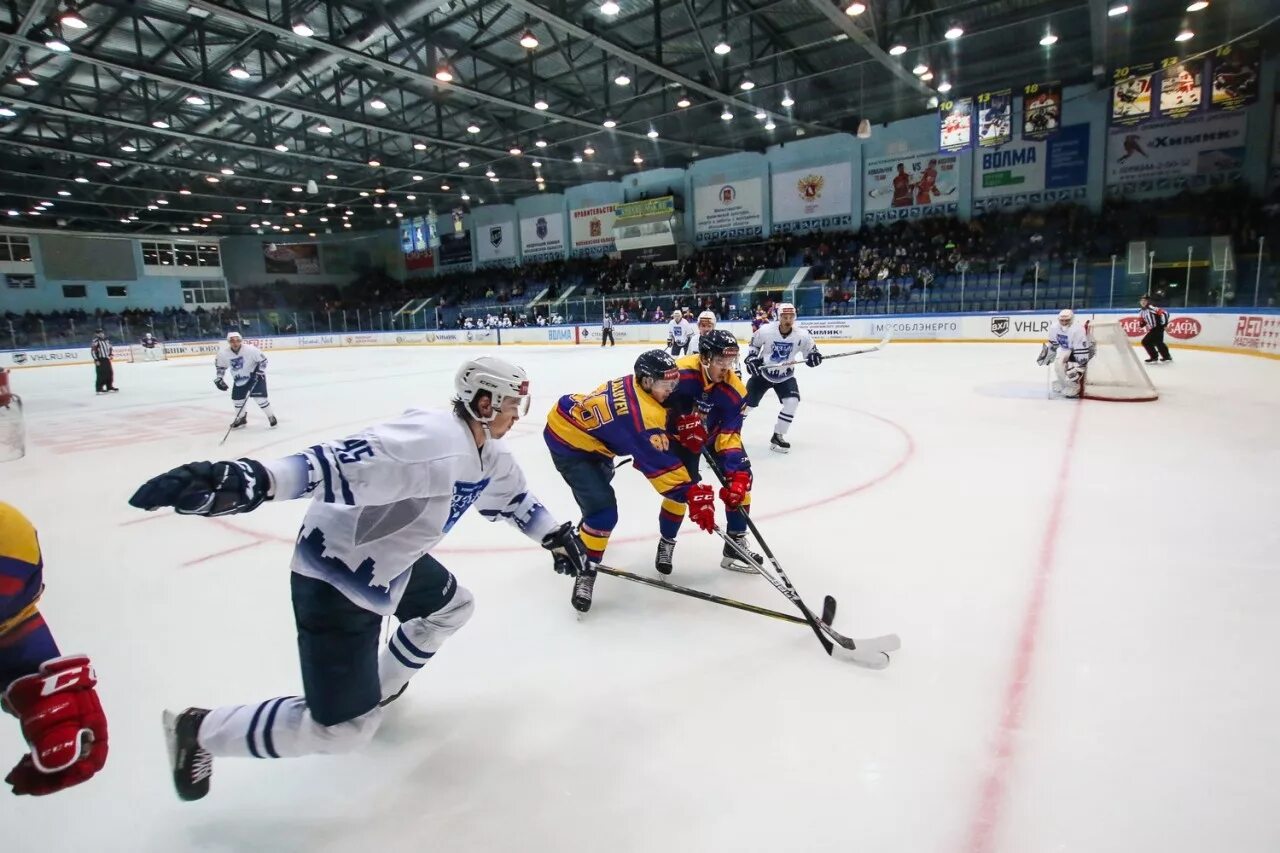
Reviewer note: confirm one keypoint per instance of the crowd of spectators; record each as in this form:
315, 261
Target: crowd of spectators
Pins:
881, 266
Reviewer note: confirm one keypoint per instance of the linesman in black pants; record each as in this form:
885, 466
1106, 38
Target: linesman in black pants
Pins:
606, 331
105, 378
1154, 320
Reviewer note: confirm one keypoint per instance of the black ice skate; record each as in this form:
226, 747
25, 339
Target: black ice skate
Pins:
780, 444
583, 588
241, 420
192, 765
733, 561
271, 420
1151, 361
662, 562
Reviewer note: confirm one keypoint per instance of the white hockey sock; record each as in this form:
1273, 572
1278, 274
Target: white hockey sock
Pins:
788, 413
281, 728
417, 640
265, 405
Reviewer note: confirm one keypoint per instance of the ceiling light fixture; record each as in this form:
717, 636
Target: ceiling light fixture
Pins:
7, 112
72, 19
239, 72
106, 164
1197, 6
926, 76
416, 178
196, 100
331, 177
761, 115
81, 179
64, 193
24, 78
577, 158
747, 84
944, 87
541, 143
375, 163
281, 147
637, 159
954, 33
537, 164
301, 28
324, 128
722, 47
1117, 11
227, 171
622, 79
161, 124
515, 151
463, 164
589, 150
855, 9
1185, 35
920, 69
184, 191
128, 148
1048, 39
684, 102
295, 189
787, 101
609, 8
652, 134
769, 125
727, 115
378, 104
528, 40
610, 123
489, 173
541, 104
56, 44
898, 50
213, 179
473, 128
444, 75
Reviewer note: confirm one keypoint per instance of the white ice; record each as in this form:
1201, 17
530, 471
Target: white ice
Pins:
1086, 666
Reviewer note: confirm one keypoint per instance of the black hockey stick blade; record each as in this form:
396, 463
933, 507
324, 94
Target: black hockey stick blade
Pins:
828, 611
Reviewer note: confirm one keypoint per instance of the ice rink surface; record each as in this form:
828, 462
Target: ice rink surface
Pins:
1086, 595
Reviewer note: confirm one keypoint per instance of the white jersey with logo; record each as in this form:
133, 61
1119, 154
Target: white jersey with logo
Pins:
681, 330
775, 348
242, 364
1071, 338
385, 496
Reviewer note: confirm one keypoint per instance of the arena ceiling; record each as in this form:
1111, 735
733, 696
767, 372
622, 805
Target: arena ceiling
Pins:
154, 115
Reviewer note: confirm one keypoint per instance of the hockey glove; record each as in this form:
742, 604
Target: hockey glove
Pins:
702, 506
1046, 354
220, 384
207, 488
567, 550
754, 364
691, 433
63, 724
737, 489
813, 359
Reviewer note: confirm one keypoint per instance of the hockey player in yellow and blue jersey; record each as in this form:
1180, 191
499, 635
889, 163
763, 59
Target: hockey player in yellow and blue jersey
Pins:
51, 694
623, 417
706, 408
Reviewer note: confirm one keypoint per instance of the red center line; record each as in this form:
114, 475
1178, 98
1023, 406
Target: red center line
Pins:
215, 555
986, 819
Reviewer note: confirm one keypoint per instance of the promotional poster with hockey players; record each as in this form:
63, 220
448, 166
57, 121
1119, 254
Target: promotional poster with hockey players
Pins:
910, 185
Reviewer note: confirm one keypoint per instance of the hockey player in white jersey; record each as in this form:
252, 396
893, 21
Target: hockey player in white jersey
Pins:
381, 501
706, 322
248, 368
1070, 349
776, 344
679, 334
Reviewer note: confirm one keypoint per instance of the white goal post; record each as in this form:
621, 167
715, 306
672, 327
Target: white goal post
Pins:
137, 353
1114, 372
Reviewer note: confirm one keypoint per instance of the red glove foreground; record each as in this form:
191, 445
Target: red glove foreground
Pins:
736, 490
63, 723
691, 434
702, 506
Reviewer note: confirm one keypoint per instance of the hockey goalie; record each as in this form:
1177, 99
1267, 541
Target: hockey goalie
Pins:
1069, 350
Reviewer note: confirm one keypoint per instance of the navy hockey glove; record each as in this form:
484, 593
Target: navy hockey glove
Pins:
754, 364
813, 359
220, 384
567, 550
207, 488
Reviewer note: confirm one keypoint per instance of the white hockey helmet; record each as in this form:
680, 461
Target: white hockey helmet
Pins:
500, 378
234, 336
784, 307
1065, 316
707, 315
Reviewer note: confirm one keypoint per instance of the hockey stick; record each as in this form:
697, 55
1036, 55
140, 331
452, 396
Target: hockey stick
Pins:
240, 408
888, 336
699, 594
872, 653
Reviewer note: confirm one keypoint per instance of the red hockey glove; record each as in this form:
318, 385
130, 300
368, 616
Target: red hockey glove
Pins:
702, 506
63, 723
736, 491
691, 434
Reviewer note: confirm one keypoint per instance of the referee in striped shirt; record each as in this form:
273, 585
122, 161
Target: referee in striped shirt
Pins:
100, 349
1154, 320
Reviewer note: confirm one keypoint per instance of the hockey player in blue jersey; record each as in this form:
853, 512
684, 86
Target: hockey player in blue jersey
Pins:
381, 501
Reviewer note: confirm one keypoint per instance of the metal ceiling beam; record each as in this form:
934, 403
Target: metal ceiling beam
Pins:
36, 12
1098, 38
845, 24
550, 19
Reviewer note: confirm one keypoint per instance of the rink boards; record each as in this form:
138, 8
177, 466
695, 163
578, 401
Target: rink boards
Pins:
1251, 333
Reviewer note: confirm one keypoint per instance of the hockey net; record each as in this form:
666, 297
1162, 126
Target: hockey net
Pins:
138, 353
12, 428
1114, 372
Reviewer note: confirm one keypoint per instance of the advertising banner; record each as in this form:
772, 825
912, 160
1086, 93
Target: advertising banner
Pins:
910, 186
1204, 150
1041, 110
729, 210
591, 229
819, 197
1032, 172
542, 236
496, 242
956, 125
995, 118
